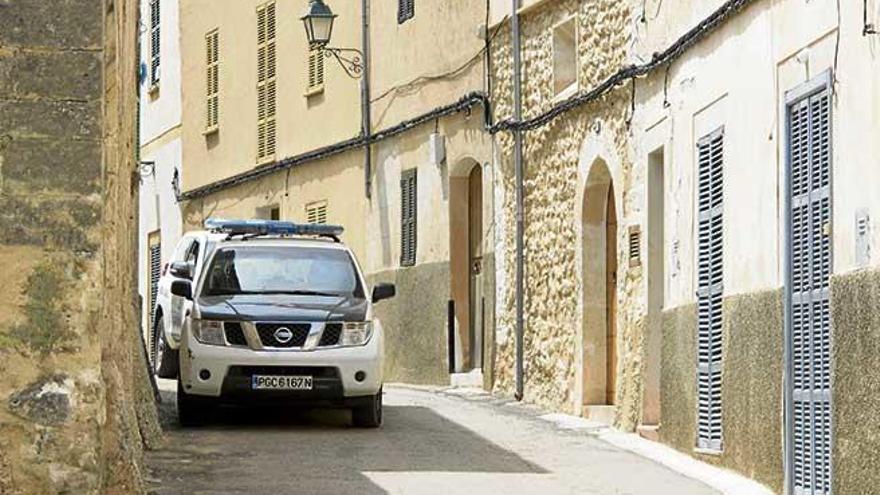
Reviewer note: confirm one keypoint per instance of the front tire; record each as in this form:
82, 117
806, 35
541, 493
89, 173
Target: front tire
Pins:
165, 359
370, 414
192, 410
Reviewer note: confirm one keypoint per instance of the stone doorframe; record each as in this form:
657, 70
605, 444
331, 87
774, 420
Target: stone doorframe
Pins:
596, 150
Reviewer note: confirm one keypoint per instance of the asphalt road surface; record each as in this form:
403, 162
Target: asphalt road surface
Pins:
431, 443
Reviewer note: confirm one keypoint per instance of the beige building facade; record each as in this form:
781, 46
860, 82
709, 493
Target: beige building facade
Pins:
700, 257
273, 130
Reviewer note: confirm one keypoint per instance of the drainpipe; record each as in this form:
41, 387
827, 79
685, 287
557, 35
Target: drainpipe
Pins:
366, 123
518, 170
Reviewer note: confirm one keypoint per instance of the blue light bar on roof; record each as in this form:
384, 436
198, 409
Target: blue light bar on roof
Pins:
271, 227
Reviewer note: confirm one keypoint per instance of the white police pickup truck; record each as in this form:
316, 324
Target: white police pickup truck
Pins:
254, 311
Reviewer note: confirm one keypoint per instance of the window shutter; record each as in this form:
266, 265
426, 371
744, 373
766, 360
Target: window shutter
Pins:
809, 153
266, 93
710, 271
155, 41
154, 250
408, 217
212, 42
406, 10
316, 69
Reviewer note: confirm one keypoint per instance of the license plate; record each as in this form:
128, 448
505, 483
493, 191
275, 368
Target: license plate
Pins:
269, 382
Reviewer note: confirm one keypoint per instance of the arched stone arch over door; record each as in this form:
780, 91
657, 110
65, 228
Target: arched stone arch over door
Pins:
467, 243
596, 220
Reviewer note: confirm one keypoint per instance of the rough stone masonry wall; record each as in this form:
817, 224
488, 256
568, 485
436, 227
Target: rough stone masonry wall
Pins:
75, 401
551, 198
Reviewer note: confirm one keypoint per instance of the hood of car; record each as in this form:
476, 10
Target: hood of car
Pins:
283, 308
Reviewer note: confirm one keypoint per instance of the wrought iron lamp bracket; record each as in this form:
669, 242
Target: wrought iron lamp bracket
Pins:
350, 59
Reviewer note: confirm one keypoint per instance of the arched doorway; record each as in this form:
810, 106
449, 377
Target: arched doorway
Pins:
599, 278
466, 261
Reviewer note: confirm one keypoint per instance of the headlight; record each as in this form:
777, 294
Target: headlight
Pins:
208, 332
356, 333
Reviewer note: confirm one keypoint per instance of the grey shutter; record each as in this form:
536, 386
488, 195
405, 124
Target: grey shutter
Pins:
406, 9
408, 217
710, 151
809, 319
155, 36
155, 273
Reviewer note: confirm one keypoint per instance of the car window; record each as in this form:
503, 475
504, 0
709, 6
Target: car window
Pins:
282, 270
192, 255
181, 249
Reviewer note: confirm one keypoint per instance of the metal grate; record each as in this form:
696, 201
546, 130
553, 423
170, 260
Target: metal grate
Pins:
267, 332
808, 305
406, 10
234, 333
408, 217
710, 271
155, 253
331, 335
155, 41
266, 84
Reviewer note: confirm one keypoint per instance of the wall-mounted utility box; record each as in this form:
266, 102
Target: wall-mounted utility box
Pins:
437, 149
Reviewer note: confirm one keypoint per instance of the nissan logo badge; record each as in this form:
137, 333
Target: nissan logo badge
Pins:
283, 335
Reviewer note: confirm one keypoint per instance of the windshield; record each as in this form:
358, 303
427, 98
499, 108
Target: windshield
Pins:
282, 270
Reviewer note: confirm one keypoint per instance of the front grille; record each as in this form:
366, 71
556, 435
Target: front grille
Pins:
332, 332
267, 333
234, 333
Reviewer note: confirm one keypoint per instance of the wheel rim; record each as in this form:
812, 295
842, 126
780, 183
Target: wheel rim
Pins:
160, 351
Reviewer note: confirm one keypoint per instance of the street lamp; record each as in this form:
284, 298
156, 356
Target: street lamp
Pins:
318, 21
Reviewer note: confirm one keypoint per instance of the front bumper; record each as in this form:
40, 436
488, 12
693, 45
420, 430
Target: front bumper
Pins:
230, 370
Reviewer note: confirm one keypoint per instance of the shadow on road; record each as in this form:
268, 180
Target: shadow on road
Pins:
244, 450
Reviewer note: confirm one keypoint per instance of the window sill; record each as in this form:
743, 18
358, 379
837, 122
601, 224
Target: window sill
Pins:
566, 93
265, 161
314, 91
210, 131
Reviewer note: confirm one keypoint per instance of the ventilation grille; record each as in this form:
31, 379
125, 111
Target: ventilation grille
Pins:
317, 213
635, 246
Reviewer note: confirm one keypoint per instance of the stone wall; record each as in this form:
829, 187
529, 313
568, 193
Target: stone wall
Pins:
751, 385
76, 405
855, 298
415, 323
555, 173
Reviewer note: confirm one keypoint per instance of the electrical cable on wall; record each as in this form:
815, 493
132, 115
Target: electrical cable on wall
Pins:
666, 57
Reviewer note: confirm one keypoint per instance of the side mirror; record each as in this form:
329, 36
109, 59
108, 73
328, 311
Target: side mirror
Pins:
383, 291
182, 288
182, 269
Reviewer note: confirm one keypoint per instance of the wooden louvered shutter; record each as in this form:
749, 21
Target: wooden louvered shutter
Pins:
266, 85
155, 41
408, 217
154, 251
406, 9
316, 69
808, 304
710, 272
212, 42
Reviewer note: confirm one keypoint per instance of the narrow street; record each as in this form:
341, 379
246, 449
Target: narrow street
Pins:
430, 443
